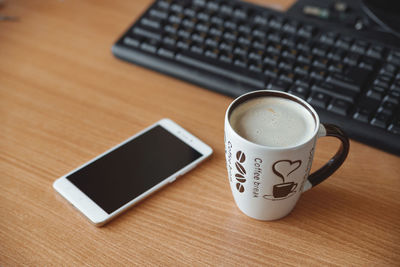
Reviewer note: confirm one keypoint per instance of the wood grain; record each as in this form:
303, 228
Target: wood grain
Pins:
64, 99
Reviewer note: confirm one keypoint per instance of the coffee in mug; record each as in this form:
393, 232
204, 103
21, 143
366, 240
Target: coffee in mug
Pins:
273, 121
270, 140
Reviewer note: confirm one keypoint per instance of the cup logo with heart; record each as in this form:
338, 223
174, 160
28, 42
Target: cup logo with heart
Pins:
283, 168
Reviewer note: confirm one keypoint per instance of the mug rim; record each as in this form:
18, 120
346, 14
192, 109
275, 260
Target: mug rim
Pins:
247, 96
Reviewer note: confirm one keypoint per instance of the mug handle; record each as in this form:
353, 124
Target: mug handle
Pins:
335, 162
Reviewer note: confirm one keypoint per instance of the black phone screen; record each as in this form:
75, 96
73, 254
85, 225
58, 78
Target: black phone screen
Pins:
133, 168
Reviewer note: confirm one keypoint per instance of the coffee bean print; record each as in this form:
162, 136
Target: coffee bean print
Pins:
240, 187
240, 168
240, 156
241, 171
240, 178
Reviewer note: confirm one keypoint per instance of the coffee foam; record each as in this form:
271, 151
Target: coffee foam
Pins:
273, 121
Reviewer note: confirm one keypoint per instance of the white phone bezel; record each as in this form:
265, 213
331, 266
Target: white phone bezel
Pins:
94, 212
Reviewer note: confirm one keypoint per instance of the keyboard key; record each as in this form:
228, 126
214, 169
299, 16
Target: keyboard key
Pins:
230, 36
260, 20
188, 23
165, 52
286, 64
304, 81
172, 29
274, 37
392, 97
213, 66
271, 60
256, 55
147, 33
158, 14
212, 53
300, 91
200, 3
375, 51
380, 120
305, 58
351, 59
343, 43
375, 93
319, 100
318, 74
328, 38
380, 82
336, 54
320, 50
290, 27
289, 42
148, 47
306, 31
353, 79
393, 58
183, 44
239, 51
228, 58
339, 106
189, 12
240, 63
226, 10
276, 23
226, 47
256, 68
132, 41
367, 63
363, 114
335, 91
163, 4
359, 47
151, 23
245, 41
230, 25
287, 77
203, 16
395, 87
394, 127
302, 70
212, 6
184, 34
271, 72
290, 54
260, 34
170, 40
320, 62
176, 8
212, 42
336, 67
217, 21
388, 69
244, 29
202, 27
278, 85
387, 108
240, 14
175, 19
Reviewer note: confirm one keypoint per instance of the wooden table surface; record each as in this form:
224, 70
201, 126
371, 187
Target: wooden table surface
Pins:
64, 99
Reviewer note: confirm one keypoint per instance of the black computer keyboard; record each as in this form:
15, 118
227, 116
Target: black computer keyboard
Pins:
234, 47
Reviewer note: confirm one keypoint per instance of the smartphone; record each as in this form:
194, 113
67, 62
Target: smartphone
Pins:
129, 172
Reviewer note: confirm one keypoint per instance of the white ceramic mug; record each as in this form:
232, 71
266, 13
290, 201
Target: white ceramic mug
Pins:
266, 182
